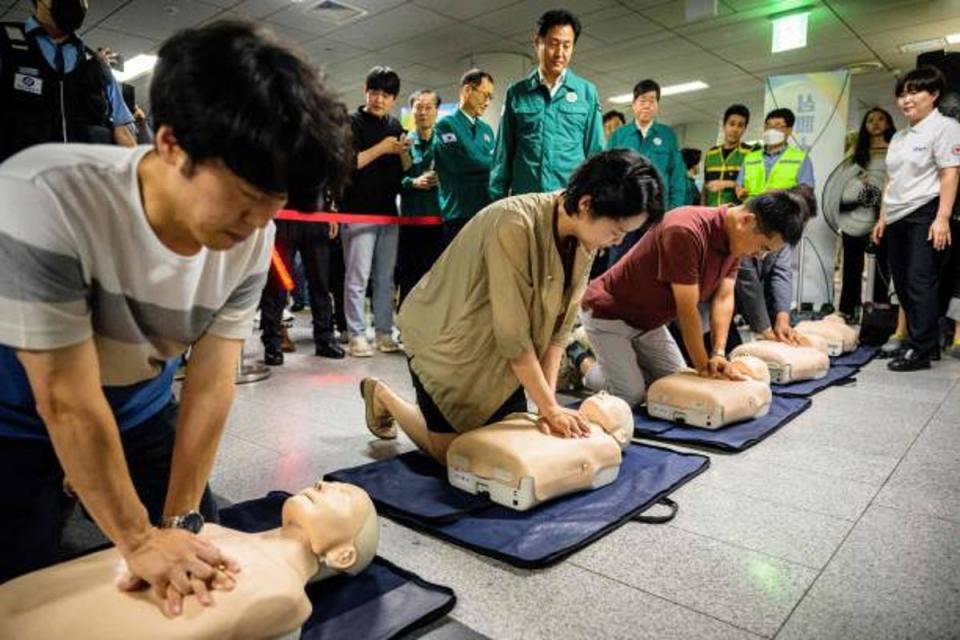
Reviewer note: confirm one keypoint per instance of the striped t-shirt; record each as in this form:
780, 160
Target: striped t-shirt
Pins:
78, 259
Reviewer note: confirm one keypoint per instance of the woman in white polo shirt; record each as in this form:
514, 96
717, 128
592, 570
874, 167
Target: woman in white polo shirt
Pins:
922, 166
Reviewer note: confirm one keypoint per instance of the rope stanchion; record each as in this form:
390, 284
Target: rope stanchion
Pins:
359, 218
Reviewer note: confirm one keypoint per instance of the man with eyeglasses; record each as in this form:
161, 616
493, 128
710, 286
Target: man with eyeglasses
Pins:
463, 154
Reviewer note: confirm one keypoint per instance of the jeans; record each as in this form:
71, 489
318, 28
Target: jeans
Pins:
34, 506
369, 250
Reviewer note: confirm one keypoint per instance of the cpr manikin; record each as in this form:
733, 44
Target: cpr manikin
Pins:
840, 337
328, 529
788, 363
519, 466
687, 398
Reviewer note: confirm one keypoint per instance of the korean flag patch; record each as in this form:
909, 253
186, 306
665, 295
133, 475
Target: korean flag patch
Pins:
30, 84
448, 137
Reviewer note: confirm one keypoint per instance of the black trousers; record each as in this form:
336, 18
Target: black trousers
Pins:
338, 273
916, 268
419, 248
34, 507
854, 250
312, 241
450, 230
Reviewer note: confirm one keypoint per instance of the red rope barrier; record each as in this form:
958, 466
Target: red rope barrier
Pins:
358, 218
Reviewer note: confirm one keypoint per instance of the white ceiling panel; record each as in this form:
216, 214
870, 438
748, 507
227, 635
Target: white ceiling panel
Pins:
523, 15
449, 39
391, 27
462, 9
123, 43
159, 20
325, 51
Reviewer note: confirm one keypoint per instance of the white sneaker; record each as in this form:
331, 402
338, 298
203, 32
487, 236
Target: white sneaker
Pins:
386, 344
359, 347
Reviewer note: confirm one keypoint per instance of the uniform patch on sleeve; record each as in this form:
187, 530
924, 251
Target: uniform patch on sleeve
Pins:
448, 137
956, 150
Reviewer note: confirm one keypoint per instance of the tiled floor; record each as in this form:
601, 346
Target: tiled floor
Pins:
846, 524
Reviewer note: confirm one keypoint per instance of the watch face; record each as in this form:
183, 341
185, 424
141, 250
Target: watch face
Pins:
192, 522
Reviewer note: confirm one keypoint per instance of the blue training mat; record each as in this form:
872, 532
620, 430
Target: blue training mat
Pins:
413, 490
384, 601
858, 358
732, 438
837, 374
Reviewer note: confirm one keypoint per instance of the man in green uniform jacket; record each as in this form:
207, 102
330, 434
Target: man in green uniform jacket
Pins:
658, 143
463, 150
551, 119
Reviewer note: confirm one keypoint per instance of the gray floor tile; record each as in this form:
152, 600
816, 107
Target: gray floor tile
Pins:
798, 536
447, 629
833, 461
564, 601
748, 589
243, 471
896, 576
925, 484
793, 487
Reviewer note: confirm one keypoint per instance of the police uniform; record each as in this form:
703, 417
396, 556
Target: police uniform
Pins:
463, 150
545, 134
53, 92
723, 164
660, 147
419, 245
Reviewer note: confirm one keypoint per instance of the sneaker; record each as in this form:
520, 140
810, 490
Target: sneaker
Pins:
381, 425
892, 347
386, 344
287, 318
358, 347
273, 357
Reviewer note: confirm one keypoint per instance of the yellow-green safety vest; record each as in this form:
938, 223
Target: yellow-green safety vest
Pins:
783, 174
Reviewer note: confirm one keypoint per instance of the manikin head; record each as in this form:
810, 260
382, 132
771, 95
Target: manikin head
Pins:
611, 194
751, 367
557, 33
242, 125
341, 524
612, 414
769, 221
476, 92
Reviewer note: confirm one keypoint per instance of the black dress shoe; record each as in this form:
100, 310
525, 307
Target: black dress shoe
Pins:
297, 307
273, 357
330, 350
910, 360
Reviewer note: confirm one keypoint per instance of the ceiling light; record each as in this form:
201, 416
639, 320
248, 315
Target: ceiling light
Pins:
672, 90
920, 46
135, 67
790, 32
953, 38
684, 87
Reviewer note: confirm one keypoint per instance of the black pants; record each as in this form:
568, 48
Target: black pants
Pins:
312, 241
450, 230
337, 276
34, 507
916, 268
854, 250
419, 248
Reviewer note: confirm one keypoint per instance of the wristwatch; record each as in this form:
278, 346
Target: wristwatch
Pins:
718, 353
191, 521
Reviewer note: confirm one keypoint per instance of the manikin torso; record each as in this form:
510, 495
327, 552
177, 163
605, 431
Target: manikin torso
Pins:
80, 599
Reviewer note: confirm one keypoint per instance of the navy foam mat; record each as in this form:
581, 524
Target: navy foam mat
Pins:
858, 358
732, 438
413, 490
837, 374
383, 602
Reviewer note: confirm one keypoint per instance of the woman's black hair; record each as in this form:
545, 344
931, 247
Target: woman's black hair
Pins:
926, 78
621, 184
861, 152
232, 94
784, 212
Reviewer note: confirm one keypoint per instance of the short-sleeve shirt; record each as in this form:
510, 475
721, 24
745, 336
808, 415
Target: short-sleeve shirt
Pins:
914, 158
499, 290
79, 260
690, 246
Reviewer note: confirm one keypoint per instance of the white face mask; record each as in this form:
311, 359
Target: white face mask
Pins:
773, 137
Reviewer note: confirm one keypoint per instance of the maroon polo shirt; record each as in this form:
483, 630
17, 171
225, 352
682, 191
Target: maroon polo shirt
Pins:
689, 246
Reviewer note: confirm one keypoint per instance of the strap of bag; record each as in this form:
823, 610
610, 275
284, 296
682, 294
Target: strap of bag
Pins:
666, 502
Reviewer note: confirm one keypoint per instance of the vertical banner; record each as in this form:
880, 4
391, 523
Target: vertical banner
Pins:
820, 101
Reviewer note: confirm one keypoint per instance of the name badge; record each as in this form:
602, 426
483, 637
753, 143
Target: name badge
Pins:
571, 96
448, 137
29, 84
657, 141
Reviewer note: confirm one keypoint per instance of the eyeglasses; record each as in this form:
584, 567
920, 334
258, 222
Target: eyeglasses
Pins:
486, 95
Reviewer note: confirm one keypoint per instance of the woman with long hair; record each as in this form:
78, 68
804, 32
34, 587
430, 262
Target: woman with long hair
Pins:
873, 139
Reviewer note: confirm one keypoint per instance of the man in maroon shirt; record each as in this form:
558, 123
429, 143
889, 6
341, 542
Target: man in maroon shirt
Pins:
689, 258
